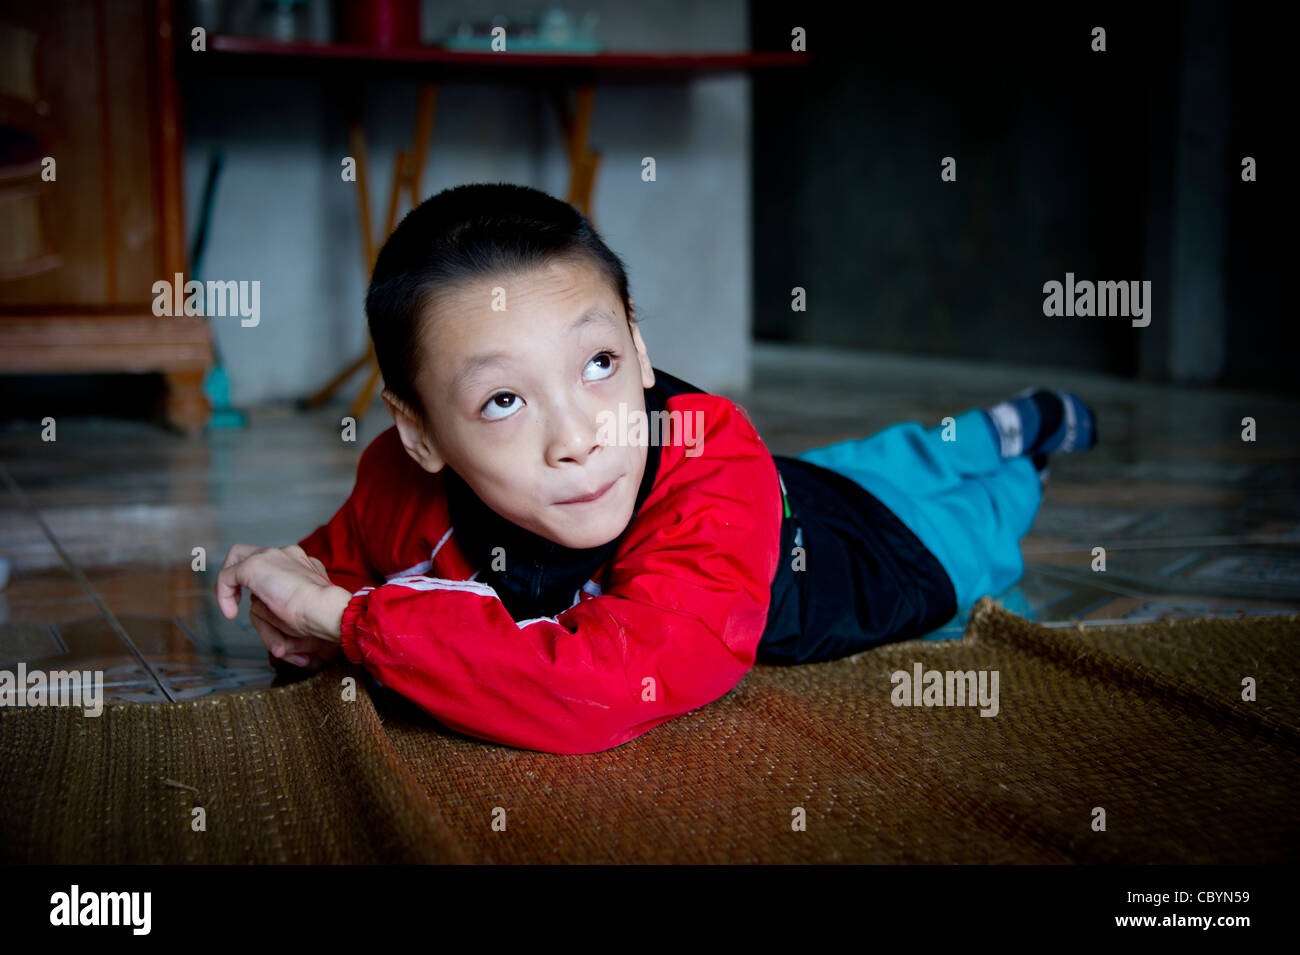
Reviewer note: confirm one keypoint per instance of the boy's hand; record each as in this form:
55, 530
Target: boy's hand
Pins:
298, 601
309, 653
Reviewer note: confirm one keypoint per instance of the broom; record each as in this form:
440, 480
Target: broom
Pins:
216, 386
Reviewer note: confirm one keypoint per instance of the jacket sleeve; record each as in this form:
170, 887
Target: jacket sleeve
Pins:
338, 544
677, 628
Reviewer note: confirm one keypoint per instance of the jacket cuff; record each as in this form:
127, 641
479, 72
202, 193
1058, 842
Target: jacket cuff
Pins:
348, 628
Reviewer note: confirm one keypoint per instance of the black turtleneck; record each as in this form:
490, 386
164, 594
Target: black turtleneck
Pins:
541, 578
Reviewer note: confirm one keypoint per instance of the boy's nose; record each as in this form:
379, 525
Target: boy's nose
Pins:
574, 437
575, 451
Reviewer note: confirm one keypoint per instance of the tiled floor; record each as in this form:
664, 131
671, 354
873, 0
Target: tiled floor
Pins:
100, 526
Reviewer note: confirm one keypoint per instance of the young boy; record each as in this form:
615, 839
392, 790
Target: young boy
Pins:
559, 547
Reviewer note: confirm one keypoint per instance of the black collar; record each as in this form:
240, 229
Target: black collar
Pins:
541, 578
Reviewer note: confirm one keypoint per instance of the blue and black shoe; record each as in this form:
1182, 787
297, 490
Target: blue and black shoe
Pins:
1066, 424
1038, 422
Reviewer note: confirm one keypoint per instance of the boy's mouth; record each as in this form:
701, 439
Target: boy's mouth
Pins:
594, 496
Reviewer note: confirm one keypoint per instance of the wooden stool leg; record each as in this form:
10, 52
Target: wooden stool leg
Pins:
423, 138
407, 169
358, 140
401, 164
367, 392
586, 182
583, 162
323, 395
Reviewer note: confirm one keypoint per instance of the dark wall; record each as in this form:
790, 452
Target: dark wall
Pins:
1260, 259
1064, 163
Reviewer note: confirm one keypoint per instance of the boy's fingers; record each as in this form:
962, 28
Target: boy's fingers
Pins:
256, 605
271, 637
258, 608
257, 611
281, 644
239, 552
228, 586
228, 592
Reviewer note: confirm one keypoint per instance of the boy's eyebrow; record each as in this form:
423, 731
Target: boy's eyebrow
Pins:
473, 366
469, 371
596, 313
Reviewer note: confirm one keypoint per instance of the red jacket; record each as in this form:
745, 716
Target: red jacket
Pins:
669, 623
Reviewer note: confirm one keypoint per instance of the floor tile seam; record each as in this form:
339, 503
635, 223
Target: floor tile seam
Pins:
85, 583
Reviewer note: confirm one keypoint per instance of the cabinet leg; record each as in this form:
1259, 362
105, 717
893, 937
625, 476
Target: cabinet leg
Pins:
187, 408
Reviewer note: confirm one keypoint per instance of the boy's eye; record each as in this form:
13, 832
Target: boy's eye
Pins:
496, 410
505, 403
607, 369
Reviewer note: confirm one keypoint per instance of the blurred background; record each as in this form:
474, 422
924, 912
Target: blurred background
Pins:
211, 137
821, 173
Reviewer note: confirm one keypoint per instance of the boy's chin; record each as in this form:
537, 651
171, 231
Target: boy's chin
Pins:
591, 534
585, 541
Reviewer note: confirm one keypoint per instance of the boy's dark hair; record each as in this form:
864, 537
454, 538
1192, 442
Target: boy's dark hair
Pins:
465, 233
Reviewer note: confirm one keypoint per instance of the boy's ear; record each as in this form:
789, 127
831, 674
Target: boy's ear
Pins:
414, 436
647, 372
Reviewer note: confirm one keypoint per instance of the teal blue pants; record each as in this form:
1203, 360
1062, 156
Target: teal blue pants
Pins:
953, 489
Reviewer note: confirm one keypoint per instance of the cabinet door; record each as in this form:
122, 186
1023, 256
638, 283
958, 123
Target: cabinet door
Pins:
90, 99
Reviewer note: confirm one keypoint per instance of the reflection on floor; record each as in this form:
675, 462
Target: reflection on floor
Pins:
102, 526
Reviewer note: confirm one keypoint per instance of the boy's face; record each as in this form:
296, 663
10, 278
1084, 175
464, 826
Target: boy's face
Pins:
516, 394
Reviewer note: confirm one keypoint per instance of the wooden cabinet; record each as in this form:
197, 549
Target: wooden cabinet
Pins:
90, 85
